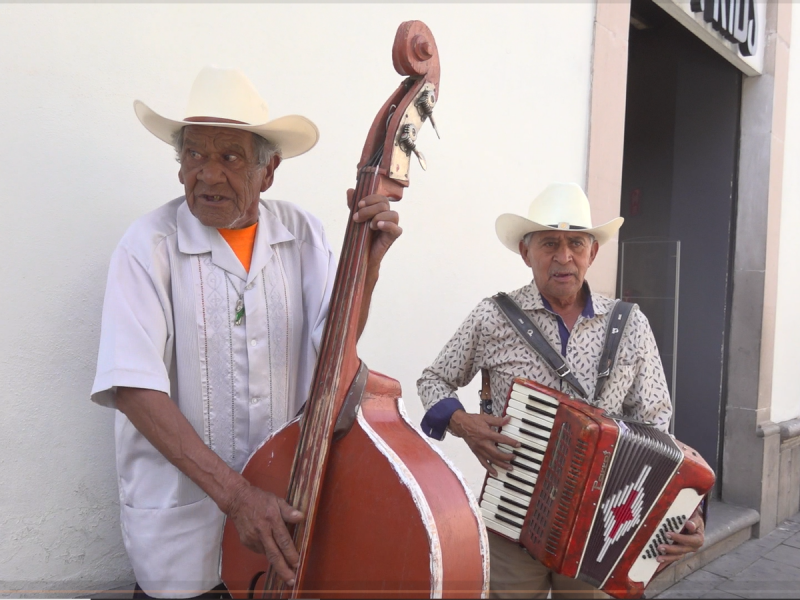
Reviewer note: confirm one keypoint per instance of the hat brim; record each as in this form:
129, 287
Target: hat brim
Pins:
512, 228
293, 134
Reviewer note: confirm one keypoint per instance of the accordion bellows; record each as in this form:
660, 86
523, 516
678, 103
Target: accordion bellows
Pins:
599, 500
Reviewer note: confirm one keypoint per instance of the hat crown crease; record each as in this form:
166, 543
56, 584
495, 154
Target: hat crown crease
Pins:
561, 203
228, 94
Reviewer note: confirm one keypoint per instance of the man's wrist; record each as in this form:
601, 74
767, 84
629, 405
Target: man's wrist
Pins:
436, 421
233, 485
454, 426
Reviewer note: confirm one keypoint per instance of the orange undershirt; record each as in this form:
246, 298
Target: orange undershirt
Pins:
241, 242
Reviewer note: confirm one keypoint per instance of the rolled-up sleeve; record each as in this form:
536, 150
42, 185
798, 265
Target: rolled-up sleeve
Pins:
135, 330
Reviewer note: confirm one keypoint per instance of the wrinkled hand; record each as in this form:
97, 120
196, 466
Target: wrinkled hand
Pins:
382, 219
689, 540
477, 431
260, 519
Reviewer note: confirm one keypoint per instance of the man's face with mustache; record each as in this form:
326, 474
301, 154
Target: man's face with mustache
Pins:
222, 177
559, 260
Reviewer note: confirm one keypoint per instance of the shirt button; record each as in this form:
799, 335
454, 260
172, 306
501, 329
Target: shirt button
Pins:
249, 286
253, 343
254, 400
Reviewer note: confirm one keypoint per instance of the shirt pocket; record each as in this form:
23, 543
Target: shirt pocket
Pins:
174, 550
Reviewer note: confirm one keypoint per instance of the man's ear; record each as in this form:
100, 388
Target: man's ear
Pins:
180, 176
269, 172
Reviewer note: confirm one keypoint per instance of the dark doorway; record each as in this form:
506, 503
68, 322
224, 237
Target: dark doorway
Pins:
678, 200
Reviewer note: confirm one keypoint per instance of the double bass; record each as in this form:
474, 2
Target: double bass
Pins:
386, 514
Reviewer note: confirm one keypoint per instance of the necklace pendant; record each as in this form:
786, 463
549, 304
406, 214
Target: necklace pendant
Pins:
237, 319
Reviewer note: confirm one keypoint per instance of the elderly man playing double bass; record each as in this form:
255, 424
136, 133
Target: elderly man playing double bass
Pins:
213, 314
558, 243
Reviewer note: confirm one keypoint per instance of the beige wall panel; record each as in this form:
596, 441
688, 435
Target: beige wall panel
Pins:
785, 396
607, 130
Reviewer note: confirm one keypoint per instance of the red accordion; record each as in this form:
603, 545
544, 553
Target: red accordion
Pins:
591, 496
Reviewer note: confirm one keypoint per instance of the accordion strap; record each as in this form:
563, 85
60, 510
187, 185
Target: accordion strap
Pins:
616, 325
529, 332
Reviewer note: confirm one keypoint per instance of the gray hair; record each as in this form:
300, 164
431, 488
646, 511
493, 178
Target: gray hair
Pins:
526, 239
264, 149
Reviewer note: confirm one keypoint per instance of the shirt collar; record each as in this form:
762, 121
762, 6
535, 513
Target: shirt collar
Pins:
588, 309
529, 298
196, 238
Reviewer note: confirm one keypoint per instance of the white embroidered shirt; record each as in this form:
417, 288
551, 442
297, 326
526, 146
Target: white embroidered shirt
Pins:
168, 325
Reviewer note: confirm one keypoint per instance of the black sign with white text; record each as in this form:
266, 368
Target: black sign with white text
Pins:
734, 19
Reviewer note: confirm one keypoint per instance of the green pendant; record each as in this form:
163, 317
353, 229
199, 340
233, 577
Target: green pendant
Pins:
237, 320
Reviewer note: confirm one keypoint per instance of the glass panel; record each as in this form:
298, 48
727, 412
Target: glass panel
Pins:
650, 276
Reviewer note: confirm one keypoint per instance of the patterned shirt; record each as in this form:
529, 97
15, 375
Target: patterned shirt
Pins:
636, 387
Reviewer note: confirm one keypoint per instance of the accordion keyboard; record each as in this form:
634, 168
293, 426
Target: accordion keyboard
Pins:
506, 498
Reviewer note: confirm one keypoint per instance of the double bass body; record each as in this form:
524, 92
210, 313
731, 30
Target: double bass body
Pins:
394, 519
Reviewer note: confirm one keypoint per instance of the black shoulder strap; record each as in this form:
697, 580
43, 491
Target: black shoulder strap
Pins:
616, 325
529, 332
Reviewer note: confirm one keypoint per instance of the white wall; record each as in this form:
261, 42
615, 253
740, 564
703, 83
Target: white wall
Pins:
77, 168
785, 395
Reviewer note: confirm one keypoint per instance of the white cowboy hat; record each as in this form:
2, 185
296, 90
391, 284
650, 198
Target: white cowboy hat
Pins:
560, 207
227, 98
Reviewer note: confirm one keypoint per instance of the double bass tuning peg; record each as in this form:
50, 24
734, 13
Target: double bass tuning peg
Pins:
425, 104
408, 144
414, 114
408, 134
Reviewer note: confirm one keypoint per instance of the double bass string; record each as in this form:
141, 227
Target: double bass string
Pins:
340, 315
316, 431
342, 304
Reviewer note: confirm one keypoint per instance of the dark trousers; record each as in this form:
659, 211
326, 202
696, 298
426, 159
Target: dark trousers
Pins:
218, 593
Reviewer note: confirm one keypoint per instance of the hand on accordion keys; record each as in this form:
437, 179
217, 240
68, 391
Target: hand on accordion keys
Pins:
689, 540
477, 431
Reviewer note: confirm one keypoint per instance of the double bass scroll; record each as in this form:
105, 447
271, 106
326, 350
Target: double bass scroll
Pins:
386, 514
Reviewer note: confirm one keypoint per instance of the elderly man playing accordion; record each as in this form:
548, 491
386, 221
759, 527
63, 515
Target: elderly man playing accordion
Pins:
558, 243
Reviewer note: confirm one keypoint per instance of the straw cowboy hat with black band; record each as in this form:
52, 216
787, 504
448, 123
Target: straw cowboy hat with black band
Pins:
226, 98
560, 207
